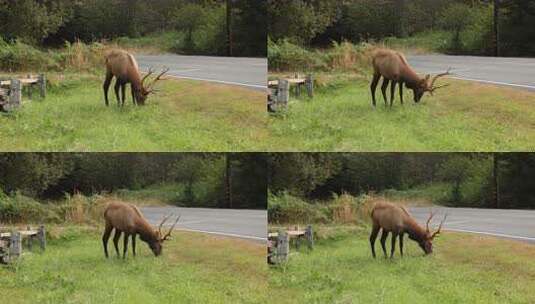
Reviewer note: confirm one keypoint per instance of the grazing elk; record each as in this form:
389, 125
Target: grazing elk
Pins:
396, 219
393, 67
123, 66
127, 219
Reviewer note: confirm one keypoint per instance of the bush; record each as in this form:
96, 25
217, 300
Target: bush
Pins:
17, 208
342, 209
77, 56
286, 208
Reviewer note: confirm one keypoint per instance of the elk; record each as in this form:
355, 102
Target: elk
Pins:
393, 67
127, 219
396, 219
123, 66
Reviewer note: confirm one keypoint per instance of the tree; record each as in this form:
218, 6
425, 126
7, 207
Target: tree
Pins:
456, 18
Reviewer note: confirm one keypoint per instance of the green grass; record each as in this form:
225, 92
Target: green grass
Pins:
463, 117
463, 269
185, 116
421, 43
193, 268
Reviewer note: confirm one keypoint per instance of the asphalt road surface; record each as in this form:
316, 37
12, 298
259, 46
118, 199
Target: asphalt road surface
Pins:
512, 224
246, 72
244, 224
512, 72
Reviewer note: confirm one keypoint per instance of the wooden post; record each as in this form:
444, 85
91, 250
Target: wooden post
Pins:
310, 85
309, 236
283, 92
15, 93
29, 87
41, 235
283, 247
15, 248
42, 85
30, 239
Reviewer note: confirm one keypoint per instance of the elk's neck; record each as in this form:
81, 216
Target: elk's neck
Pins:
136, 80
145, 231
414, 230
410, 77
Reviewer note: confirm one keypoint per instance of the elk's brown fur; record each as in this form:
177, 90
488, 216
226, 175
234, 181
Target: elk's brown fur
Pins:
127, 219
395, 69
123, 66
397, 220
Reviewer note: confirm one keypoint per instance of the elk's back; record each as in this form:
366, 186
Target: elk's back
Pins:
121, 64
388, 63
121, 216
388, 216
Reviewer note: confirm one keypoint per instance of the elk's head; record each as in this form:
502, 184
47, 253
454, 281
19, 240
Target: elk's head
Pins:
427, 84
426, 243
156, 245
144, 91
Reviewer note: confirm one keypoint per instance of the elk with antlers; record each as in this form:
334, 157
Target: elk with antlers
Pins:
123, 66
393, 67
127, 219
396, 219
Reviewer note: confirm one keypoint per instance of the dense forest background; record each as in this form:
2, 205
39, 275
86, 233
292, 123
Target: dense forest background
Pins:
452, 26
216, 27
197, 180
467, 179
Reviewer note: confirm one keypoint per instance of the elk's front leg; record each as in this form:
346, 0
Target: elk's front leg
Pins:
373, 86
133, 94
383, 241
383, 89
373, 237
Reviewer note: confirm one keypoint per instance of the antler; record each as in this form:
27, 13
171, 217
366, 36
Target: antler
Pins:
432, 88
165, 218
439, 227
170, 230
429, 220
151, 71
165, 70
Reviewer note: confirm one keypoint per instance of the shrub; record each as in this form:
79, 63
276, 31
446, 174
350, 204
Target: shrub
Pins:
17, 208
286, 208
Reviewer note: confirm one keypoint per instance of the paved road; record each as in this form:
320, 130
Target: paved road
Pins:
245, 224
513, 72
512, 224
246, 72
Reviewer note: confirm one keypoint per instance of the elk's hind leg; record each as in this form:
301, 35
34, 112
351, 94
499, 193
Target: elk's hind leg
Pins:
116, 240
134, 244
401, 92
105, 238
123, 91
383, 241
117, 87
383, 89
392, 91
126, 235
394, 236
373, 237
373, 87
401, 244
106, 86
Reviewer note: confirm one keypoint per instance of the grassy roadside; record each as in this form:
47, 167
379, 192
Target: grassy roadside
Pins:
186, 116
464, 269
466, 116
193, 268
